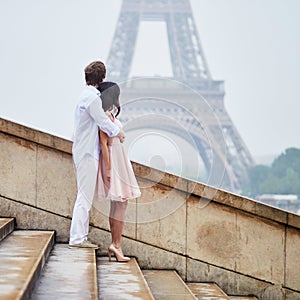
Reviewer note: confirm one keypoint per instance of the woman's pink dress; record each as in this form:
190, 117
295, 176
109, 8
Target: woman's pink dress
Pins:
123, 184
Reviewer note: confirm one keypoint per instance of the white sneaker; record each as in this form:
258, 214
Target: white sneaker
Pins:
84, 244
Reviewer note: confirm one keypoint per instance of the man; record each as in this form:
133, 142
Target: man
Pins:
89, 117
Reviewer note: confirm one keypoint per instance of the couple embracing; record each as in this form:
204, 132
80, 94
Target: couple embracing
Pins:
101, 163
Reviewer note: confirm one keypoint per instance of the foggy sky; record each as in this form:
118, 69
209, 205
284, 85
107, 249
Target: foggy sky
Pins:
252, 45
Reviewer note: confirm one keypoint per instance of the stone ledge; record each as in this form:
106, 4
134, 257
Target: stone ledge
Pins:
36, 136
223, 197
171, 181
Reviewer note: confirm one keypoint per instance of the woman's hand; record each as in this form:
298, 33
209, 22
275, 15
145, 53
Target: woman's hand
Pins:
108, 174
110, 115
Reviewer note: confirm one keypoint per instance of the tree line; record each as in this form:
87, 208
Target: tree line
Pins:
281, 177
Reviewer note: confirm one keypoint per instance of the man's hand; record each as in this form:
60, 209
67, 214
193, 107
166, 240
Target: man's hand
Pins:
121, 136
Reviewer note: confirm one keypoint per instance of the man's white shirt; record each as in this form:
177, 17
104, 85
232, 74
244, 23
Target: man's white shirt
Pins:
89, 117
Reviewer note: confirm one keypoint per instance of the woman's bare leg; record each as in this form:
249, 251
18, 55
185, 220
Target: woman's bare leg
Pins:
111, 219
116, 221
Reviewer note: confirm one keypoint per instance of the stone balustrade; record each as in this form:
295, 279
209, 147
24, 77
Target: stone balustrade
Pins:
206, 234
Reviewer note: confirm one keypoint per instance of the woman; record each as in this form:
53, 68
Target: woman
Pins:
116, 179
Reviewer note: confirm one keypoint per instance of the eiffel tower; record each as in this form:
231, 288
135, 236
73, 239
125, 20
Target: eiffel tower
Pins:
190, 97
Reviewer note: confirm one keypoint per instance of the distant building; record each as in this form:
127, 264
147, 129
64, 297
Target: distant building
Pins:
288, 202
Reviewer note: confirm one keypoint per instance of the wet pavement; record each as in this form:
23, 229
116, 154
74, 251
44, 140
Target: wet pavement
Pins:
21, 254
242, 298
121, 281
78, 274
167, 285
207, 291
68, 274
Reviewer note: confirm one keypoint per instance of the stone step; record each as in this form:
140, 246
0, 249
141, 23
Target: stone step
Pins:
243, 298
22, 257
207, 291
121, 281
68, 274
7, 226
167, 285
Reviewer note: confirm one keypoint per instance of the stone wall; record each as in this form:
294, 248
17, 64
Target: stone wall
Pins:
206, 234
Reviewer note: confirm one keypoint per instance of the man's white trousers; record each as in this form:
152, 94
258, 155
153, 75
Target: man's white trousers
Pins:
86, 173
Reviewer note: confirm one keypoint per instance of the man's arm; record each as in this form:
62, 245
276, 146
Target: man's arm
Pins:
102, 120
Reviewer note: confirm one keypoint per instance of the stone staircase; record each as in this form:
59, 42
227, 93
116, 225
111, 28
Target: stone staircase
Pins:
33, 266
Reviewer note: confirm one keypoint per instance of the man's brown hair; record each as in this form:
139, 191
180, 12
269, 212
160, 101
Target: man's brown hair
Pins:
95, 73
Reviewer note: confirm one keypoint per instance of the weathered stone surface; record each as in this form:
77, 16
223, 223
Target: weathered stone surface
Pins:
242, 203
293, 220
161, 218
202, 190
198, 271
22, 257
121, 281
154, 176
233, 283
271, 213
293, 259
255, 256
245, 285
7, 226
211, 232
208, 291
28, 217
166, 284
17, 169
35, 136
235, 201
154, 258
100, 237
174, 220
99, 216
274, 292
56, 181
291, 295
58, 279
148, 256
175, 182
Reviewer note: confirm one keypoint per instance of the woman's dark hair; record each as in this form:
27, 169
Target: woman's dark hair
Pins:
95, 73
110, 93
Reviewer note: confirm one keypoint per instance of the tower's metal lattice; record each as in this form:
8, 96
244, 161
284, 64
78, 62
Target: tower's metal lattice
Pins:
187, 57
190, 68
